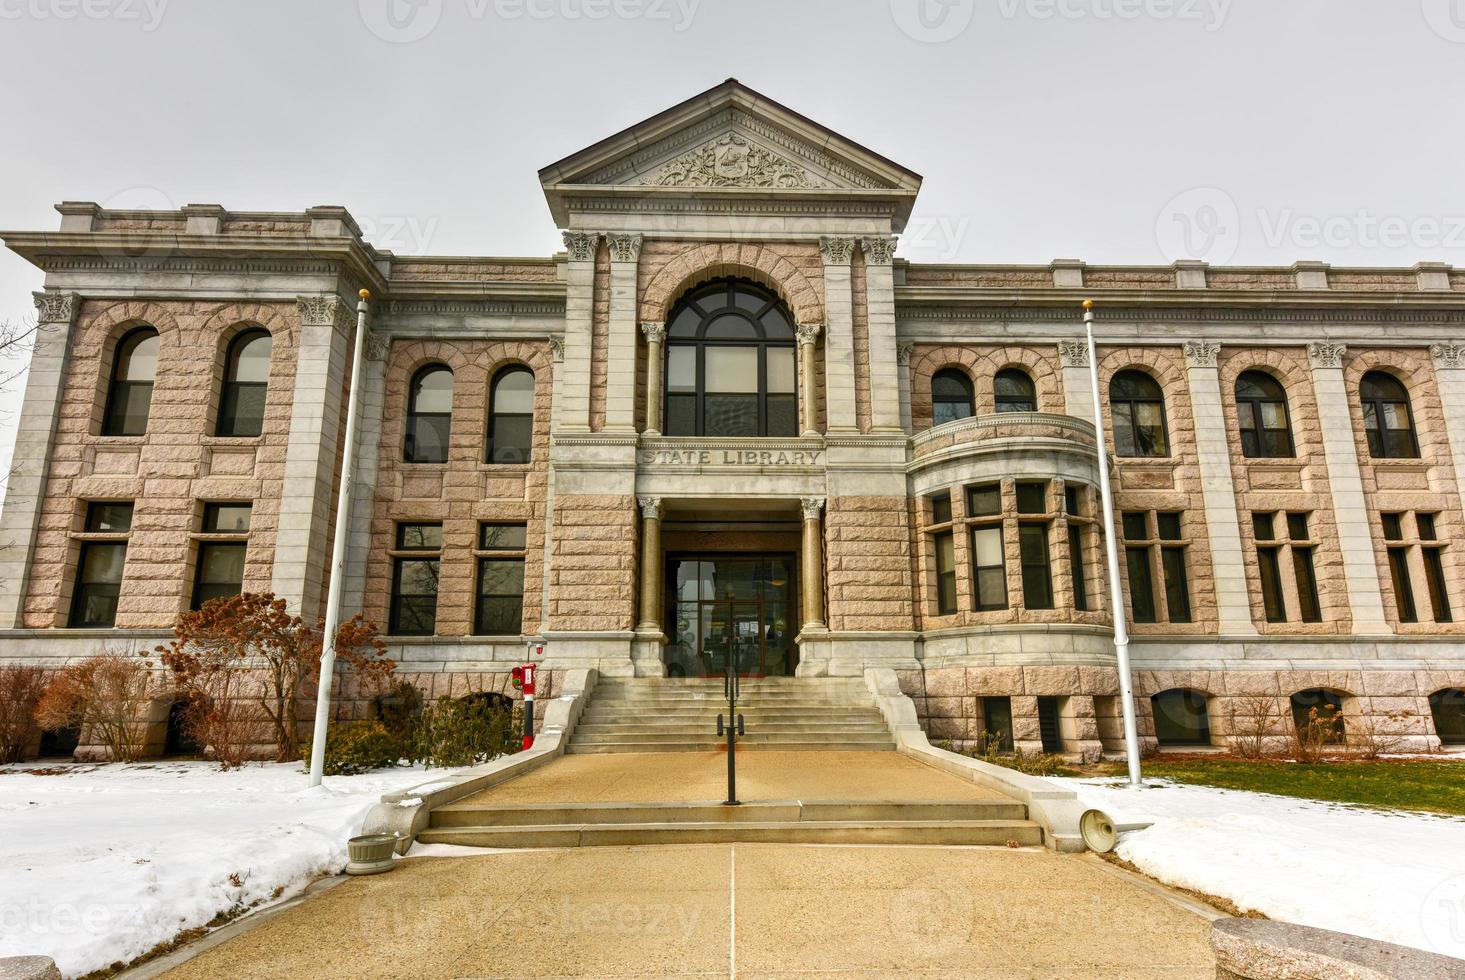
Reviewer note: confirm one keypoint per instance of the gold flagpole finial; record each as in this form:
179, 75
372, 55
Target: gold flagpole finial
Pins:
365, 294
1088, 304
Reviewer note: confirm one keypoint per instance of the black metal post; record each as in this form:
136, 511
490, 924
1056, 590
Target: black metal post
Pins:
730, 686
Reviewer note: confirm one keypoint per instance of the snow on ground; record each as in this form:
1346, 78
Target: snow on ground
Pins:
103, 863
1394, 876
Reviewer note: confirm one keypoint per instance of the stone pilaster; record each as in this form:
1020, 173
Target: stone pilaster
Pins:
368, 465
1218, 490
307, 496
1350, 505
1078, 396
1449, 373
56, 313
574, 392
655, 334
839, 334
808, 335
620, 394
903, 364
880, 317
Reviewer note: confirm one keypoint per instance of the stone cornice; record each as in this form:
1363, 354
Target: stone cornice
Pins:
1422, 312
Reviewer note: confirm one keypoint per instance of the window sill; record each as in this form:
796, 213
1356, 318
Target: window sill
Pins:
233, 441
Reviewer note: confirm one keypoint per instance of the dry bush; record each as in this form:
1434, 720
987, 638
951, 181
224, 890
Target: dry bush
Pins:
1373, 735
1257, 723
1323, 727
106, 697
21, 688
223, 718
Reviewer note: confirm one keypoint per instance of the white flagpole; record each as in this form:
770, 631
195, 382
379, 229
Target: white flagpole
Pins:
1111, 549
338, 556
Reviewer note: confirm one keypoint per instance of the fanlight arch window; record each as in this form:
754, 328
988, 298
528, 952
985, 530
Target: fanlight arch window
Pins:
1015, 391
130, 391
429, 415
1387, 417
1181, 717
246, 383
1262, 416
731, 363
1137, 406
511, 415
952, 397
1317, 714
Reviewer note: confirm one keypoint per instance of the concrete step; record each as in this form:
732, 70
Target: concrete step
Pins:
577, 747
970, 832
713, 710
713, 811
763, 728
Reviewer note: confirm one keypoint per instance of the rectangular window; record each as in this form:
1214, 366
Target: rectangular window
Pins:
941, 508
1169, 526
1141, 585
419, 537
1037, 573
1264, 527
681, 391
989, 568
220, 571
1177, 584
500, 610
1434, 573
226, 518
1136, 525
98, 584
1393, 526
502, 537
1426, 525
1306, 575
1032, 498
985, 501
108, 518
1048, 725
1403, 589
997, 724
1076, 569
1269, 565
414, 597
1297, 527
945, 573
1072, 501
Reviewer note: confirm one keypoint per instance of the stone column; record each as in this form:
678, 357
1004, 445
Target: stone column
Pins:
368, 449
1078, 396
574, 391
651, 512
839, 335
1218, 489
307, 496
35, 434
1449, 374
813, 563
620, 378
808, 334
1350, 506
903, 363
655, 334
880, 320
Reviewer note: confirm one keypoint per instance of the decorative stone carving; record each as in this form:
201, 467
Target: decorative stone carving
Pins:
650, 508
581, 245
878, 251
812, 507
808, 333
1200, 354
731, 161
557, 349
321, 311
903, 354
624, 248
1448, 356
1326, 354
56, 307
1074, 353
655, 333
837, 251
376, 346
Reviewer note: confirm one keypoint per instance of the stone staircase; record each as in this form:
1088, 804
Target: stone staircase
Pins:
663, 714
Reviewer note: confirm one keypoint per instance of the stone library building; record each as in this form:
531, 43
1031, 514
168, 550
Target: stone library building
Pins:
728, 424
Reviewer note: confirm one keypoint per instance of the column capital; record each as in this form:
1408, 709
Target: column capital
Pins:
837, 251
624, 248
1201, 354
581, 245
812, 507
654, 333
1073, 353
325, 311
377, 346
557, 349
808, 333
903, 354
878, 250
1326, 354
56, 307
1448, 357
651, 509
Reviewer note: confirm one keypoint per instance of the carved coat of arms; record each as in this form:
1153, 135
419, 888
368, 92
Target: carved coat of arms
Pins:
732, 162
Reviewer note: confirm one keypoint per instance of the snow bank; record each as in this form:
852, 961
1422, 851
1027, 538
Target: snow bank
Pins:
1398, 877
103, 863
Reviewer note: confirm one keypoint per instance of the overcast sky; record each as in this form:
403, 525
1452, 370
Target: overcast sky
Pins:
1116, 131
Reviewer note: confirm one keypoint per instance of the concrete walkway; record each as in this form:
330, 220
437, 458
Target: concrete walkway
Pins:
728, 910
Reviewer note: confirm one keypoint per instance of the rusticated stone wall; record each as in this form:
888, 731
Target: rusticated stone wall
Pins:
592, 568
981, 364
868, 563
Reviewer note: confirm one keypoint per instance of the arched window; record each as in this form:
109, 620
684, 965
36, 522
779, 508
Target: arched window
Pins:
1387, 417
1318, 715
246, 381
730, 363
1015, 391
429, 415
1448, 709
1138, 407
130, 393
952, 397
1261, 408
511, 415
1181, 718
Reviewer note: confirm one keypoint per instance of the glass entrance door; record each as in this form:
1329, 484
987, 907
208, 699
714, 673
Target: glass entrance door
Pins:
732, 608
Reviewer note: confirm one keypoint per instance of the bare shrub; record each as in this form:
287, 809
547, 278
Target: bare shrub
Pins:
106, 697
1322, 727
1257, 725
223, 718
21, 688
1373, 735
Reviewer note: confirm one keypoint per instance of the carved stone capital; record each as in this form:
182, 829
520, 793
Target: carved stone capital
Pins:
878, 251
1201, 354
557, 349
377, 346
1448, 357
581, 245
903, 354
1326, 354
624, 248
808, 333
837, 251
56, 307
651, 509
812, 507
1073, 353
654, 333
323, 311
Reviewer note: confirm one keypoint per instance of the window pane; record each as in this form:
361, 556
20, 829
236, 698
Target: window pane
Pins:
427, 438
945, 573
251, 359
943, 412
941, 508
432, 391
1076, 567
102, 563
108, 517
730, 326
1439, 597
730, 415
732, 369
419, 537
991, 588
1168, 526
513, 392
98, 584
242, 409
1302, 568
221, 564
1403, 588
783, 415
781, 371
1273, 602
503, 537
987, 546
1426, 525
1177, 584
681, 368
499, 616
1135, 528
500, 577
1032, 498
681, 415
1297, 527
1037, 579
418, 577
137, 357
226, 518
127, 412
984, 501
511, 439
1141, 585
1263, 527
1392, 526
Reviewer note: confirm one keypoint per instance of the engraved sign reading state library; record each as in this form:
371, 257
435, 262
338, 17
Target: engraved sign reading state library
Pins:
731, 457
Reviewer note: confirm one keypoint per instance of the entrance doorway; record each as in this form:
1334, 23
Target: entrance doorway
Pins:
730, 607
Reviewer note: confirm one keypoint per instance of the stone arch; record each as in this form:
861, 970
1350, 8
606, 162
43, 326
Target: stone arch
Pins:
1290, 369
803, 296
981, 365
1175, 719
1416, 374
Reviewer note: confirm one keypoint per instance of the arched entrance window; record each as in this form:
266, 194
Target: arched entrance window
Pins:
429, 415
952, 397
730, 363
1261, 411
246, 381
1387, 417
130, 394
1137, 406
1015, 391
511, 415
